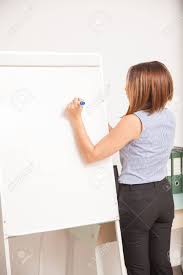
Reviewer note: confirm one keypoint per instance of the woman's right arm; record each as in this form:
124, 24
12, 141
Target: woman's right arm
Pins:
109, 126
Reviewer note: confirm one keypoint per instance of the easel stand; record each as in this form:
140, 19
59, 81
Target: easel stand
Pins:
6, 247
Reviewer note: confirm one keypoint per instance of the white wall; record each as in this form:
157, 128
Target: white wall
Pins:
124, 31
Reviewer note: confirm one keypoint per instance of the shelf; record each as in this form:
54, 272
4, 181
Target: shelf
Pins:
178, 201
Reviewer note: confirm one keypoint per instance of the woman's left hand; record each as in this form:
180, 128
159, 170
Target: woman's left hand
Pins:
73, 110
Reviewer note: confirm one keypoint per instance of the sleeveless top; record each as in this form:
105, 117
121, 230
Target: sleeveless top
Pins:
145, 159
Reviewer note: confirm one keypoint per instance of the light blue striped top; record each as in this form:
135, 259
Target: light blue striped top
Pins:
145, 159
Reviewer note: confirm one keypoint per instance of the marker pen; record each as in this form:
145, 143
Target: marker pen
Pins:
82, 103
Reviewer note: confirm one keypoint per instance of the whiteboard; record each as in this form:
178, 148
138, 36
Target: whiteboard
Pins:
45, 183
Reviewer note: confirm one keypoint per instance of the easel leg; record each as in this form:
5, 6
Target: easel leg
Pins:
120, 245
7, 256
5, 240
5, 244
70, 253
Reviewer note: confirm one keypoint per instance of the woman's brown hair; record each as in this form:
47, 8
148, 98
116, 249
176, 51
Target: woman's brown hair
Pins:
149, 86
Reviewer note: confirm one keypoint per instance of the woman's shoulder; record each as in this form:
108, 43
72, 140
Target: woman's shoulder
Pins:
165, 111
148, 119
142, 115
170, 114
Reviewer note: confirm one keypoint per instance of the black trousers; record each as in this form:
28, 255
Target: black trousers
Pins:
146, 215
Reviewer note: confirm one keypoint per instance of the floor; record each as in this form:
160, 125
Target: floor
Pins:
177, 271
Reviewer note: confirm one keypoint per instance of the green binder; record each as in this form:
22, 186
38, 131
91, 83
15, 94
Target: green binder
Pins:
176, 170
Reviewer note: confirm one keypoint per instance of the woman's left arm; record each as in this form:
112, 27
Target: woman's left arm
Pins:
127, 129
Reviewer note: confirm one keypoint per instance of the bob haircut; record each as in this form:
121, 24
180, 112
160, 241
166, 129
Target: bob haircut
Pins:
149, 86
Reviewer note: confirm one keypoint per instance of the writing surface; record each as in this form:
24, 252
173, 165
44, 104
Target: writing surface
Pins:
46, 185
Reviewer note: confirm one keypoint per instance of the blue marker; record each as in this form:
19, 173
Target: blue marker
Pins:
82, 103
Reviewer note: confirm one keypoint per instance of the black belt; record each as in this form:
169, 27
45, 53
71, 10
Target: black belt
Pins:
149, 185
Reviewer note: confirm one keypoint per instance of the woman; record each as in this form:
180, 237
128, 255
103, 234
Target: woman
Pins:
144, 137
